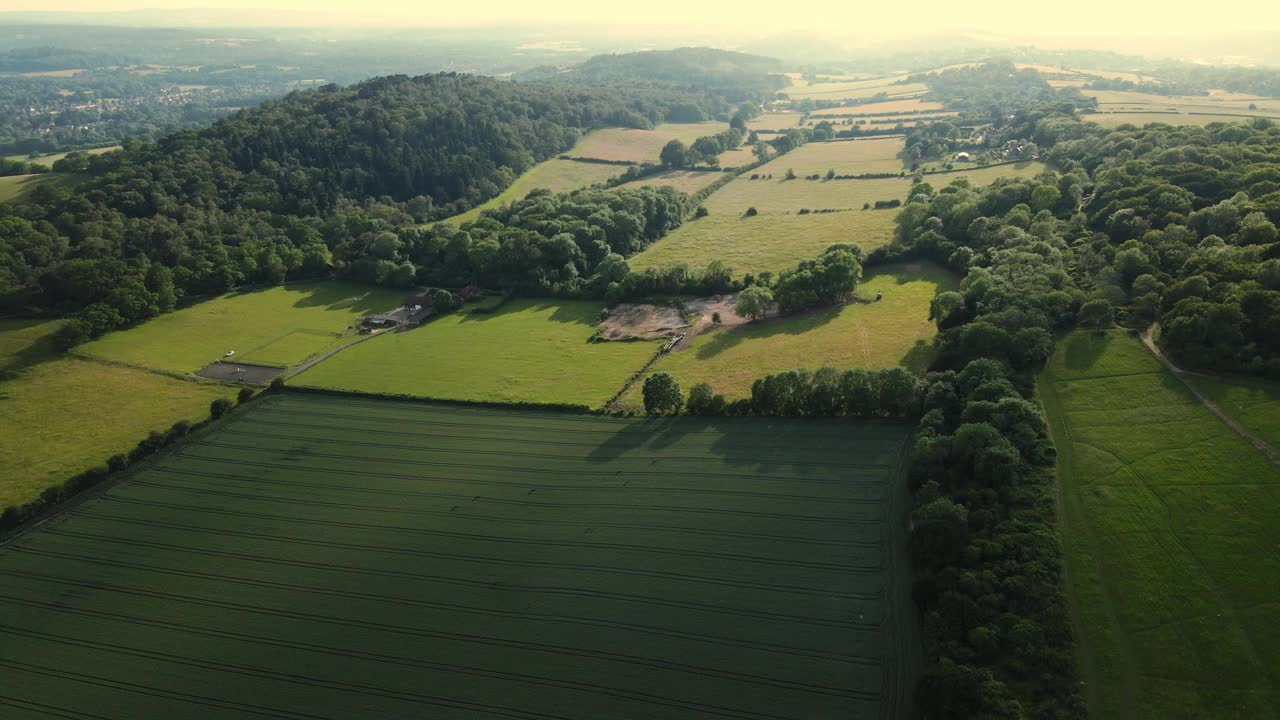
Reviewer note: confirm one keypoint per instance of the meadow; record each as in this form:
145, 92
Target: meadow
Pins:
846, 157
641, 145
283, 326
317, 557
62, 416
1167, 520
779, 236
854, 89
775, 121
52, 158
525, 351
688, 181
881, 108
894, 331
1116, 119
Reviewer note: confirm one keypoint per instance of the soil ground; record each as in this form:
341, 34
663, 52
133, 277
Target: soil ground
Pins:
651, 322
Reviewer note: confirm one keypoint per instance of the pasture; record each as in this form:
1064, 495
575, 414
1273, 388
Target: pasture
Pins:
55, 157
526, 351
1168, 528
283, 325
641, 145
855, 89
775, 121
555, 175
894, 331
846, 157
881, 108
62, 416
1140, 119
779, 236
327, 557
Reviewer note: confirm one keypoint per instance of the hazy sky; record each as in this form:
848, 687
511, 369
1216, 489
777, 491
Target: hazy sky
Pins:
1079, 17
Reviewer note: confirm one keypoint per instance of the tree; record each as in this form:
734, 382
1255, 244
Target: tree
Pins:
754, 302
1096, 314
441, 300
244, 396
761, 150
662, 394
674, 155
704, 401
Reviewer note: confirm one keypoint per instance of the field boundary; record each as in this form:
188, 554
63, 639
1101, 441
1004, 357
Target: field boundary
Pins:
403, 397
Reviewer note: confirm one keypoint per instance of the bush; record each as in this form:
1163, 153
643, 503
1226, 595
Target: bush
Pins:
751, 212
715, 318
277, 384
244, 396
701, 212
219, 407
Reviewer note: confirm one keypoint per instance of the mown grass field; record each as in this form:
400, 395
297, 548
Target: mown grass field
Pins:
55, 157
281, 325
895, 331
1112, 120
641, 145
853, 89
526, 351
1168, 522
327, 557
61, 416
779, 236
775, 121
555, 175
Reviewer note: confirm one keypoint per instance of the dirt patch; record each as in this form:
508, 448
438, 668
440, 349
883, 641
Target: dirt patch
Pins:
630, 321
240, 372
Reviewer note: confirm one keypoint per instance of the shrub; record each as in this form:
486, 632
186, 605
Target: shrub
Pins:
244, 396
701, 212
219, 407
751, 212
715, 318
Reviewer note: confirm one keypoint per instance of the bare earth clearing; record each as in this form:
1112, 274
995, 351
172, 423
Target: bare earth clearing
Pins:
630, 321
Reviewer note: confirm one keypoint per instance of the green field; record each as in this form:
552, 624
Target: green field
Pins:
52, 158
779, 236
894, 331
1168, 522
846, 157
281, 325
315, 557
527, 351
61, 416
1253, 402
687, 181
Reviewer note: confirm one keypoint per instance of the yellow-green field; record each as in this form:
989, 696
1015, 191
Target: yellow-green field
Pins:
775, 121
555, 175
13, 187
854, 89
641, 145
1140, 119
778, 236
55, 157
737, 157
277, 326
846, 157
526, 351
894, 331
879, 108
689, 181
62, 416
1168, 526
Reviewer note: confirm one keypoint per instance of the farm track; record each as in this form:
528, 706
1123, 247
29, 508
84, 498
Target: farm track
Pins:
312, 557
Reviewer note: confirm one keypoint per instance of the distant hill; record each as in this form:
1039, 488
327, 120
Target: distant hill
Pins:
733, 75
48, 59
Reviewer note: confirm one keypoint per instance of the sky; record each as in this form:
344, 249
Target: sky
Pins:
831, 17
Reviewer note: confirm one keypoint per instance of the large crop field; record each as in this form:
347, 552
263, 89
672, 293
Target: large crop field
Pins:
61, 416
319, 557
1168, 521
280, 326
854, 89
894, 331
527, 351
779, 235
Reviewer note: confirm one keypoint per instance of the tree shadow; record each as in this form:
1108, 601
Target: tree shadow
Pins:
337, 295
798, 324
42, 349
1081, 350
918, 357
